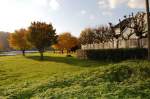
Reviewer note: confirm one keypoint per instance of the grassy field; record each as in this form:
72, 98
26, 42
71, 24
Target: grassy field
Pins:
60, 77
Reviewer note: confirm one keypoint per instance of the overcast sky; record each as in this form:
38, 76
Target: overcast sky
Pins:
66, 15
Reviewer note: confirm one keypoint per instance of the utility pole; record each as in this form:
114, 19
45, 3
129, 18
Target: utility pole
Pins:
148, 23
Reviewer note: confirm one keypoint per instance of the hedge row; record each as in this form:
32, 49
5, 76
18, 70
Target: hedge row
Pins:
113, 54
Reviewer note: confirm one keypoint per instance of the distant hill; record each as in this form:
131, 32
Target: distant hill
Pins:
4, 41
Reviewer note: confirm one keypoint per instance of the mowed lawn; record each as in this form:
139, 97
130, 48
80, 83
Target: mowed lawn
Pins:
61, 77
18, 73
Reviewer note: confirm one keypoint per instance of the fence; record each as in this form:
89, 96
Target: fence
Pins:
132, 43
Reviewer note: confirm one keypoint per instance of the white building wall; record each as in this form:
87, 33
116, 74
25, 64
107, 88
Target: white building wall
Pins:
132, 43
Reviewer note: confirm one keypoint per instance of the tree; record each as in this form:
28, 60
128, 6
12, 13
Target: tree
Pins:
87, 36
66, 42
4, 41
101, 35
126, 24
139, 27
136, 24
74, 49
114, 34
41, 36
57, 47
148, 23
1, 46
18, 40
73, 44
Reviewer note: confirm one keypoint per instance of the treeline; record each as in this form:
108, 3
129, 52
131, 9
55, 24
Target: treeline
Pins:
41, 36
66, 41
136, 25
4, 46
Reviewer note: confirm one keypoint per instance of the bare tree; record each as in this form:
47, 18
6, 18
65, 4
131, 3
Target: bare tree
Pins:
135, 24
138, 26
87, 36
126, 25
114, 34
101, 35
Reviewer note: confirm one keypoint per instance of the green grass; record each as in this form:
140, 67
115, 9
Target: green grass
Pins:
60, 77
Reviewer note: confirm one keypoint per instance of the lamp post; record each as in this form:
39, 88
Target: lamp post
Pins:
148, 23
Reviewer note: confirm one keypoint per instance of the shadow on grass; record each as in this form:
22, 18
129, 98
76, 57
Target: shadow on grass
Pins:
71, 61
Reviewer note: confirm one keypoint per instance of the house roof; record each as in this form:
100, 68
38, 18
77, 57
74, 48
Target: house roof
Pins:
123, 23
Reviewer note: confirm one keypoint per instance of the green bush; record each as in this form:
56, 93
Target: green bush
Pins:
118, 73
113, 54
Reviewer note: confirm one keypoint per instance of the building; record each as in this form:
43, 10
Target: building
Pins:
127, 36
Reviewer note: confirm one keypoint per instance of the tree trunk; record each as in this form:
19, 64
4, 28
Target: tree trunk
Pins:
62, 51
113, 44
141, 43
126, 44
93, 46
138, 43
23, 52
54, 51
103, 45
42, 57
117, 44
67, 52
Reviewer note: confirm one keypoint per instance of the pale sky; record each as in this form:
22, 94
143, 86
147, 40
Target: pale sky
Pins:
66, 15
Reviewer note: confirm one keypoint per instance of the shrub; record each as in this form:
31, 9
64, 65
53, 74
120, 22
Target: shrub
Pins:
118, 73
68, 56
113, 54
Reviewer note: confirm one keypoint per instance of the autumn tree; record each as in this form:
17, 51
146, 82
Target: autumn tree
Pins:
4, 41
41, 35
18, 40
1, 46
75, 48
66, 42
57, 47
73, 44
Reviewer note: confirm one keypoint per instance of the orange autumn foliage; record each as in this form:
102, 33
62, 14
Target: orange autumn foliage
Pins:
18, 40
66, 41
1, 46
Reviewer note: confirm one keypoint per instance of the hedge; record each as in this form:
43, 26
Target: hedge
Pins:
113, 54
